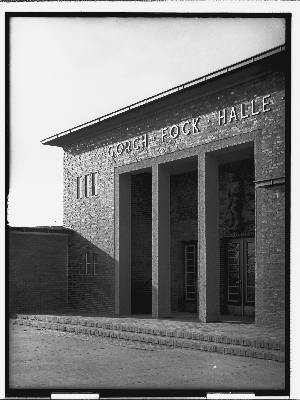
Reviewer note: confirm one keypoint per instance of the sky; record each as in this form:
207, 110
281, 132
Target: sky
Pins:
68, 71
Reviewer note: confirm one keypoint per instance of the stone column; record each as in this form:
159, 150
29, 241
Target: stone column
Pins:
161, 274
123, 244
208, 255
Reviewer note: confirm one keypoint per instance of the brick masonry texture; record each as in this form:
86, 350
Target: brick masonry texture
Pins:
252, 342
37, 272
270, 306
89, 292
92, 217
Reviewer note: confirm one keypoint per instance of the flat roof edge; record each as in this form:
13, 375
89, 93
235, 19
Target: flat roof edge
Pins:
41, 229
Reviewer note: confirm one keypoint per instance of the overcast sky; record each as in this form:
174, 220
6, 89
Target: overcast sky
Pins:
67, 71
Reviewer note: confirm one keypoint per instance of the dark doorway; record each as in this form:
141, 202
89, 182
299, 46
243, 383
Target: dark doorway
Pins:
141, 243
240, 276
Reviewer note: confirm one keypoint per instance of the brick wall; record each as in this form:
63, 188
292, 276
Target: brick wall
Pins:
270, 259
87, 291
37, 272
93, 217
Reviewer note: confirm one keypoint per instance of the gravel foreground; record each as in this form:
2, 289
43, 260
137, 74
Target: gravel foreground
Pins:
44, 359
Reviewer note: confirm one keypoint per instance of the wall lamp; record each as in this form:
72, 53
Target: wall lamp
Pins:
275, 184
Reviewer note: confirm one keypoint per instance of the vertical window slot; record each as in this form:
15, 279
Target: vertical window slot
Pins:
88, 263
79, 187
86, 185
94, 184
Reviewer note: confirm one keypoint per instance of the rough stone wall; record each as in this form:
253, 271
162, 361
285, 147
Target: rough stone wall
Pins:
37, 272
93, 217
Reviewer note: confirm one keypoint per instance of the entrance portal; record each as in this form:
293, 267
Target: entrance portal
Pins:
240, 276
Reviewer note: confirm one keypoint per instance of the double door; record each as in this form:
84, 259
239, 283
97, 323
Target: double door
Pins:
240, 276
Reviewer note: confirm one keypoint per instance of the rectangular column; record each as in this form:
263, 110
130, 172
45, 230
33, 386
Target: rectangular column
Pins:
161, 273
208, 256
123, 244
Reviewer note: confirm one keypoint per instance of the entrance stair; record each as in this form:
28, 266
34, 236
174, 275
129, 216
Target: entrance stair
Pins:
231, 336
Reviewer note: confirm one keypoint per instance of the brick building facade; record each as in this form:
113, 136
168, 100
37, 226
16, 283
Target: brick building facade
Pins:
177, 203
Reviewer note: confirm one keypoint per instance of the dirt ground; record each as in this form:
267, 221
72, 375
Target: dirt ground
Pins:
41, 359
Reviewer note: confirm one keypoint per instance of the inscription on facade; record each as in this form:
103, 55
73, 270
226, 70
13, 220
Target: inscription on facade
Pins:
225, 116
245, 110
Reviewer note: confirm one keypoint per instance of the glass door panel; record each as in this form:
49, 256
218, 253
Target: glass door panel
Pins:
190, 272
234, 272
249, 268
240, 277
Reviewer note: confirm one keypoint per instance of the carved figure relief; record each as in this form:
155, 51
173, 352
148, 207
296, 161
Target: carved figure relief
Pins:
232, 217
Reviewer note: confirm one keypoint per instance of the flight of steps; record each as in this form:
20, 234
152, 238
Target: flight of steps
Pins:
172, 337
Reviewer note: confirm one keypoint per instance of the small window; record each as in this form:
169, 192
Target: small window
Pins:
89, 265
79, 187
86, 185
95, 263
94, 183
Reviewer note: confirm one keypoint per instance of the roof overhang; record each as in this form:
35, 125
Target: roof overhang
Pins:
243, 71
57, 230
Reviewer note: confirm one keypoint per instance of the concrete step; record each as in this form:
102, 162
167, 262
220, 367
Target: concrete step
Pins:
222, 344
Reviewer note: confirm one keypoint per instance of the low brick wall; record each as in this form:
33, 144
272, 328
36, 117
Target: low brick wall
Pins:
37, 272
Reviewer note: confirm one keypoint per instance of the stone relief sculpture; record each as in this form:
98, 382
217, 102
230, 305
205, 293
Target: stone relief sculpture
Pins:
232, 217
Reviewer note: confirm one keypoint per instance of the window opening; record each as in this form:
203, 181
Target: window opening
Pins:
95, 264
94, 183
190, 272
89, 266
78, 187
86, 186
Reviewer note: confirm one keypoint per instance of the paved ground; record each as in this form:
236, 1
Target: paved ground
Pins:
47, 359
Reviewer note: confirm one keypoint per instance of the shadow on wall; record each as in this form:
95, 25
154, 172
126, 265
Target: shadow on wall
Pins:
91, 277
51, 273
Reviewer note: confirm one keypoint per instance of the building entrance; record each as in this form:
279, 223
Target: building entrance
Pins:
240, 276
